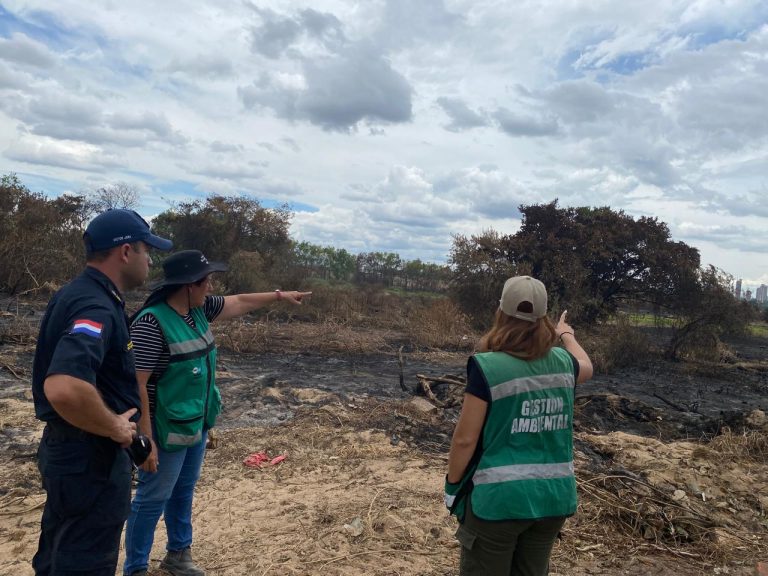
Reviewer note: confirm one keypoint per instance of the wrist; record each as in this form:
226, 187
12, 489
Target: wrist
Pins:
278, 295
451, 486
564, 333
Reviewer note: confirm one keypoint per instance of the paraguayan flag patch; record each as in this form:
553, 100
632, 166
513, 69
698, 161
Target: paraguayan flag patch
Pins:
88, 327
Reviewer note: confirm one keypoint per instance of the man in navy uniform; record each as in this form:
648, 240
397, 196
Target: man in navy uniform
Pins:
84, 388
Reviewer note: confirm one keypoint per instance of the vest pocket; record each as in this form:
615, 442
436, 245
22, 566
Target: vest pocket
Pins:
180, 424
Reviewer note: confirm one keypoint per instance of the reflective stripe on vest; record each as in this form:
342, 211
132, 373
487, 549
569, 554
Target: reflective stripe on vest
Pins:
523, 472
184, 439
201, 344
531, 384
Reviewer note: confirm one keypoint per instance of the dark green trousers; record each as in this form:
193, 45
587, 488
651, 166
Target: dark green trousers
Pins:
507, 547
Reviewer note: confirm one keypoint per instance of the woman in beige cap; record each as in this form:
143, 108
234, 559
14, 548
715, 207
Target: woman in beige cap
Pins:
510, 475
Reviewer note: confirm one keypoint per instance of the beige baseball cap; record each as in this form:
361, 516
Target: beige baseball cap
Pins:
519, 289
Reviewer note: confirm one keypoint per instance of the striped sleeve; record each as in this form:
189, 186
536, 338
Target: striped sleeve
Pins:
151, 353
148, 344
213, 307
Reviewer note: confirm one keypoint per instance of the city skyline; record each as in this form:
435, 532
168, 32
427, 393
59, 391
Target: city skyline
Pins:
740, 289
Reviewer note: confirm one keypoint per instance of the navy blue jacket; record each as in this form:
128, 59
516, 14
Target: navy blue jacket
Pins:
85, 334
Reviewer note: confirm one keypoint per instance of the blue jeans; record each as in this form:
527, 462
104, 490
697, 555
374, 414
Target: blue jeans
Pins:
168, 491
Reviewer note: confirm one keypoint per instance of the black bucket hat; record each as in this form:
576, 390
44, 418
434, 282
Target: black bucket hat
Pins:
186, 267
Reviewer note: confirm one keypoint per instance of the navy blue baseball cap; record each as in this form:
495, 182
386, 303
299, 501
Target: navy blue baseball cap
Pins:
118, 226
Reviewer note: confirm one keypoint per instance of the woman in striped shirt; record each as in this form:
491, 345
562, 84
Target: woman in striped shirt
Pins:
175, 368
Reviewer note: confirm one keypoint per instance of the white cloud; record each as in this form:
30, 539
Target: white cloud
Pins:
60, 154
23, 50
399, 123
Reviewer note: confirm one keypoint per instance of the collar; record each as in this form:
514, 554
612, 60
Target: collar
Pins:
103, 280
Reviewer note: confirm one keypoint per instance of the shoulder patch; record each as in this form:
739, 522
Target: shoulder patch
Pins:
87, 327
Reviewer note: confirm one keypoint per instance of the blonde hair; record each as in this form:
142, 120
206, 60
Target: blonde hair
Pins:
519, 338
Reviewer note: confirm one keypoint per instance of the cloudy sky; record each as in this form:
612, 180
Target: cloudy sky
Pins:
389, 125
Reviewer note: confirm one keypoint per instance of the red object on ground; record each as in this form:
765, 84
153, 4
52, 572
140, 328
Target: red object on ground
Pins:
761, 569
256, 459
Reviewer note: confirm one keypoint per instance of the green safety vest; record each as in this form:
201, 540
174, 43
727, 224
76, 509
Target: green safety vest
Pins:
525, 470
187, 400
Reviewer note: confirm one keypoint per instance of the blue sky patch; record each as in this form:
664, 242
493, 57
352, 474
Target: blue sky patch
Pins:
39, 25
295, 206
50, 187
566, 68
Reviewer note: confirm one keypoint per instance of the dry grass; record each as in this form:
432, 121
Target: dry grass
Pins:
616, 346
351, 305
330, 336
365, 521
627, 505
439, 324
342, 470
623, 511
17, 328
626, 502
342, 327
749, 446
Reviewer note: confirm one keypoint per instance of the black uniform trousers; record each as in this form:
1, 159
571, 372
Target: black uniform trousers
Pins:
88, 481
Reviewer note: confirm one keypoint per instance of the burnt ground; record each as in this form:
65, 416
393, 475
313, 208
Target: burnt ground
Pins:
645, 435
679, 400
243, 379
665, 400
661, 399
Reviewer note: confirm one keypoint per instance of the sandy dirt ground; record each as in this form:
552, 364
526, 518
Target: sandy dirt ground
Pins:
360, 489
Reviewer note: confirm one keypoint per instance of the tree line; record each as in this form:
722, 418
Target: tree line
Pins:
593, 260
40, 241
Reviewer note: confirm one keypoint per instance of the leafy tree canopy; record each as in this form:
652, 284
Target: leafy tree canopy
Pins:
590, 259
220, 226
40, 238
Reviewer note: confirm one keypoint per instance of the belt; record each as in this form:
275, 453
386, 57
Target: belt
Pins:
61, 430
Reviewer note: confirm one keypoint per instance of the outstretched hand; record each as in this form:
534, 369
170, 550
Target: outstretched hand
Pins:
562, 325
294, 297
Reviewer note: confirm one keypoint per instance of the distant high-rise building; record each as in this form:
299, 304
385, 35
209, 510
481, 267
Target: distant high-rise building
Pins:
761, 294
748, 295
737, 291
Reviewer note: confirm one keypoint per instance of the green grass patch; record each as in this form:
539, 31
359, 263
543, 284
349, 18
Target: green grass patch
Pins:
397, 291
645, 319
759, 329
